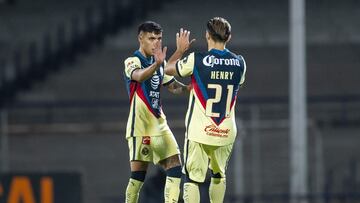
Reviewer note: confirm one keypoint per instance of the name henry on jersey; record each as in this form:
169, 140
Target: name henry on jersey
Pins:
221, 75
211, 60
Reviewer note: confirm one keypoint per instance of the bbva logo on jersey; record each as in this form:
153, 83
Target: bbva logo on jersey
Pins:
211, 60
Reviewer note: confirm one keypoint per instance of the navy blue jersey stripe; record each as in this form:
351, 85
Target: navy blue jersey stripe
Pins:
200, 83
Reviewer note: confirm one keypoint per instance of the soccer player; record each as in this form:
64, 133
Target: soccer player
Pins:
148, 134
216, 76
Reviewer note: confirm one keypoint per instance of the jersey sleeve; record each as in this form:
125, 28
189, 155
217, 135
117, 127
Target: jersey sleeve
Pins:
185, 66
131, 64
167, 78
242, 80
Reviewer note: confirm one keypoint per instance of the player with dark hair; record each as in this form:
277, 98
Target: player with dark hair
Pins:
148, 134
216, 76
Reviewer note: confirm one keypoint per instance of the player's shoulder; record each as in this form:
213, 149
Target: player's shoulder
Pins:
241, 57
189, 57
235, 55
132, 60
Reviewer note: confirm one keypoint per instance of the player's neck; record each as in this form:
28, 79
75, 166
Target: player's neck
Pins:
216, 45
142, 51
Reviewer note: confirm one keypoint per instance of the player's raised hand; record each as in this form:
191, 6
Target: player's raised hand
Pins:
182, 40
159, 53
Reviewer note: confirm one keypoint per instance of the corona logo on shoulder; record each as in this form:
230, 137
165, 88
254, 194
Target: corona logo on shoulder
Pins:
211, 60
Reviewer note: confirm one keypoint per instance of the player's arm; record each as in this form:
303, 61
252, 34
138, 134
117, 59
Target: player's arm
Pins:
177, 87
182, 44
141, 75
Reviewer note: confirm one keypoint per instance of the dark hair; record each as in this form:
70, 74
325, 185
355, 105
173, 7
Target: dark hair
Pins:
150, 26
219, 29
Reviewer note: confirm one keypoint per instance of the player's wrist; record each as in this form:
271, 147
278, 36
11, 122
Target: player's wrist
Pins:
180, 51
157, 64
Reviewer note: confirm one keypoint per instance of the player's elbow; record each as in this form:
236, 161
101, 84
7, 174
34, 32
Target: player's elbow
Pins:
169, 70
138, 77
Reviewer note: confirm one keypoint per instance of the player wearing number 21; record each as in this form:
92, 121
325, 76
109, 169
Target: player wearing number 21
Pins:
216, 76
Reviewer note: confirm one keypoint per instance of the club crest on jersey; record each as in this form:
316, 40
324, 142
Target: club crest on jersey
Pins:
211, 60
146, 140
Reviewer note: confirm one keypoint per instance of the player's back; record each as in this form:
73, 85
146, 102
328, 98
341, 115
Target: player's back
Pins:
216, 78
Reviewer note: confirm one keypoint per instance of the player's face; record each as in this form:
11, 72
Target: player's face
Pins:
148, 42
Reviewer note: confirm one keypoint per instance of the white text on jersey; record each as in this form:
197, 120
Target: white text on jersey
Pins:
210, 61
221, 75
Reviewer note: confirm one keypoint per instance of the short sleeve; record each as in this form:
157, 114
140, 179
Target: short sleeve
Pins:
167, 79
185, 66
131, 64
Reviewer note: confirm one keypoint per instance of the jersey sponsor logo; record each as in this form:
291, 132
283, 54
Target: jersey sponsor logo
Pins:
213, 130
155, 103
129, 63
211, 60
154, 94
131, 66
146, 140
155, 82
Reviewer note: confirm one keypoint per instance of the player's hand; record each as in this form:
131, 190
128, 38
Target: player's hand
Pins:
159, 54
182, 40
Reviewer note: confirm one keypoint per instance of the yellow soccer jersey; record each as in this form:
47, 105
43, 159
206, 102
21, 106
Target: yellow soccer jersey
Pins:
215, 76
146, 117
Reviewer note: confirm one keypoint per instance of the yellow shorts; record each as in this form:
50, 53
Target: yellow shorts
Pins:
152, 149
199, 157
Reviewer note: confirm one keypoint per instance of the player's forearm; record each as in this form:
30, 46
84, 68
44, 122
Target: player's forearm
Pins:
178, 88
170, 68
141, 75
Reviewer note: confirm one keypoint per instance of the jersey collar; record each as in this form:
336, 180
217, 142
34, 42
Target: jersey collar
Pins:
220, 52
149, 60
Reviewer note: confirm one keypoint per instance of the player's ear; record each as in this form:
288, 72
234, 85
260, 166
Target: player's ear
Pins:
228, 39
140, 36
207, 35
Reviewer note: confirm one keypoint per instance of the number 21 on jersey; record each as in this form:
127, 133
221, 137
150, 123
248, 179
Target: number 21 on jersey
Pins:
217, 99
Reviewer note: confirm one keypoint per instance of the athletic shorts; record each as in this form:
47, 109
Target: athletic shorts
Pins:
199, 157
152, 149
